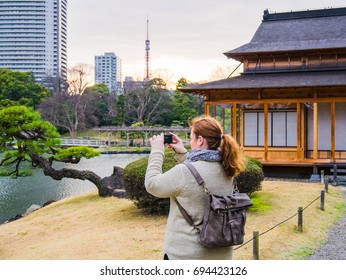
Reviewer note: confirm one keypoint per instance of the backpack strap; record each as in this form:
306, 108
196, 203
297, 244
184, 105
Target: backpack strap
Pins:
195, 173
200, 181
186, 216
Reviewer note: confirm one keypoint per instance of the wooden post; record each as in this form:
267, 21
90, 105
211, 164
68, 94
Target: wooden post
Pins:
109, 139
315, 153
322, 199
326, 184
299, 131
223, 119
332, 132
146, 139
207, 108
322, 177
234, 118
266, 129
240, 136
302, 132
335, 174
300, 219
255, 254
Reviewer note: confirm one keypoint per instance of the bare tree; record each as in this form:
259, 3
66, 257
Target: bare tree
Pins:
67, 109
166, 75
56, 84
143, 101
79, 78
63, 111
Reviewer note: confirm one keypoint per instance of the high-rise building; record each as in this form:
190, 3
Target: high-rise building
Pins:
33, 37
108, 71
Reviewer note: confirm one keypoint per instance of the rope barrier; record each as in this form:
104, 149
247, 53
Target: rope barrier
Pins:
276, 225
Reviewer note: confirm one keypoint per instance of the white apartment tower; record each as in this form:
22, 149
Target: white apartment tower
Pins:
108, 71
33, 37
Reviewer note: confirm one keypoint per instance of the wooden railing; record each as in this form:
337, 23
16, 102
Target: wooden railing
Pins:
82, 142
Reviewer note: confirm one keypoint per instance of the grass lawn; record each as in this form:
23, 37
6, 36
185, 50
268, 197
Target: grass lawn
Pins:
94, 228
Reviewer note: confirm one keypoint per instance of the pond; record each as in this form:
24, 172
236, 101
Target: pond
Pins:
17, 195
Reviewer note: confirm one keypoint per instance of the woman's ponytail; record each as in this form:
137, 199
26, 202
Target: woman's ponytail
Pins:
231, 156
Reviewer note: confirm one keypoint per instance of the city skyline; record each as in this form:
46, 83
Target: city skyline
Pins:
33, 37
187, 38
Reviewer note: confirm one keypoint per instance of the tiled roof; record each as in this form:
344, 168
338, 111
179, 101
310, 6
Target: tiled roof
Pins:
297, 32
275, 80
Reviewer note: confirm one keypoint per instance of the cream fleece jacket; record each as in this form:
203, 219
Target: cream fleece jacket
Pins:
180, 238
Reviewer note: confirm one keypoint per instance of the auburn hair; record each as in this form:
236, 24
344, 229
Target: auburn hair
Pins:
211, 130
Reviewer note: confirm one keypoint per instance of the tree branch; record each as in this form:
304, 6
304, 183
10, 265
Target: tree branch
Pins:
48, 170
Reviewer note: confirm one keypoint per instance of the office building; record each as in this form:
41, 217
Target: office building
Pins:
108, 71
33, 37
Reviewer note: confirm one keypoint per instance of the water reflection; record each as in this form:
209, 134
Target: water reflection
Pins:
17, 195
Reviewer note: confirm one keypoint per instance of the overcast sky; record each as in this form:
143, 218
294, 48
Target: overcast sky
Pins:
187, 37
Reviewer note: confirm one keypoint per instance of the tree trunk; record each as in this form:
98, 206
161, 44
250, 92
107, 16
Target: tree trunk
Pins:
73, 134
106, 186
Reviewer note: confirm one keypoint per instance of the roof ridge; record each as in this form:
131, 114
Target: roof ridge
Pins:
326, 12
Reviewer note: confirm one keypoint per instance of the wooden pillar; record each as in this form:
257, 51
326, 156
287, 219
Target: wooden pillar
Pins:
234, 118
207, 108
332, 131
109, 139
230, 120
302, 132
315, 152
266, 131
223, 118
127, 139
240, 138
299, 131
146, 139
214, 109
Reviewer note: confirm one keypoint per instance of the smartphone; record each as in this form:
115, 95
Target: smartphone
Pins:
168, 139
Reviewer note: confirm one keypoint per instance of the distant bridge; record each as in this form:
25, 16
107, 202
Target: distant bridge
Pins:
144, 131
82, 142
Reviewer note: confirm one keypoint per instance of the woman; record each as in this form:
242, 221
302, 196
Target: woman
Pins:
217, 158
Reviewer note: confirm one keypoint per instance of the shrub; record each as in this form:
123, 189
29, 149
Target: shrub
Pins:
134, 174
248, 181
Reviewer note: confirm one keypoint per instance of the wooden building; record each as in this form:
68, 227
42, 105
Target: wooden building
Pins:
288, 106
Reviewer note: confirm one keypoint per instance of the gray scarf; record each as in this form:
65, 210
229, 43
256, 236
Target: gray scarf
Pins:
205, 155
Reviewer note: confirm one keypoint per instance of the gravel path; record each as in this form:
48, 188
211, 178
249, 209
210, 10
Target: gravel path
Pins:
335, 247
